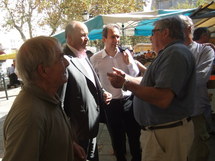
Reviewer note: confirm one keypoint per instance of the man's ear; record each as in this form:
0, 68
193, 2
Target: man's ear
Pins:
165, 32
189, 29
103, 39
41, 71
69, 39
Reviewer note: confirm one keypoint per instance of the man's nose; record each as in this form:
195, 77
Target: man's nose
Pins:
87, 38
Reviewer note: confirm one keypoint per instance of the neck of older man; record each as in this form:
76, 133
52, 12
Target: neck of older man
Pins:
47, 87
164, 43
188, 38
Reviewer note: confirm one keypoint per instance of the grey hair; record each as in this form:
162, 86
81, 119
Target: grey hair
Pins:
175, 26
107, 27
36, 51
71, 28
187, 22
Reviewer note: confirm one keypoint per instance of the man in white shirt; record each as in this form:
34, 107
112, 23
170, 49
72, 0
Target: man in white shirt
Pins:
119, 113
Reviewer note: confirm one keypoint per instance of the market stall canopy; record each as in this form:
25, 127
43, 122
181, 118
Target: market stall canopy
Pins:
11, 55
141, 23
126, 21
204, 16
144, 27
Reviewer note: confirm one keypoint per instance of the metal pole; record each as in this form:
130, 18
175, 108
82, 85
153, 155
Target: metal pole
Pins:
5, 87
123, 34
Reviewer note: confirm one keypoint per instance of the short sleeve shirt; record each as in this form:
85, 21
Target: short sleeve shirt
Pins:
174, 68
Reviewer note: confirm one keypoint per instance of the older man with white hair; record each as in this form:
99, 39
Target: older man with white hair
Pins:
204, 56
36, 127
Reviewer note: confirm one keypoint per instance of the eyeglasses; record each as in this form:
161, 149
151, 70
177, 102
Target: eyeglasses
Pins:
154, 30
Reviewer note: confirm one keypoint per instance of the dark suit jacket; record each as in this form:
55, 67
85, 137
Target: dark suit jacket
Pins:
81, 98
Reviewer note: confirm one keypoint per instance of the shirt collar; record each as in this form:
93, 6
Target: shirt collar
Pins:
104, 53
77, 53
38, 92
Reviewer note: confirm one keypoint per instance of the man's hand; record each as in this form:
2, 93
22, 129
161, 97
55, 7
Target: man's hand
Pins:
79, 152
119, 72
126, 57
117, 77
107, 97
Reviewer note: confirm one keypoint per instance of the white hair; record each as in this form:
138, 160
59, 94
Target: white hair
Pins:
187, 22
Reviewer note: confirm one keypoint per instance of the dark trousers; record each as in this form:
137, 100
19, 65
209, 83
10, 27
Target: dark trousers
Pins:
13, 79
121, 122
91, 149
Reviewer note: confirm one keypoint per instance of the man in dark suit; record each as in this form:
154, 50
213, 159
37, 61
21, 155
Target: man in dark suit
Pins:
82, 95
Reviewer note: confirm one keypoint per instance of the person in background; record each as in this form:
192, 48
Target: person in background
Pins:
12, 76
119, 113
204, 56
89, 53
36, 127
142, 68
82, 96
10, 70
164, 97
201, 35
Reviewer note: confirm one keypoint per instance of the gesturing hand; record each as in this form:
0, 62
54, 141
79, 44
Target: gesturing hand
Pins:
117, 77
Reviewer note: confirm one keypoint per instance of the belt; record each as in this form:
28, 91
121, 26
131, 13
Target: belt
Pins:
175, 124
121, 99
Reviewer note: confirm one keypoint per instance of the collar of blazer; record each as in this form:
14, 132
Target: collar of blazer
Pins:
68, 52
74, 60
76, 63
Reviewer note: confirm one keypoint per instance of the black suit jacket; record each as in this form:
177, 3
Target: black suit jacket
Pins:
81, 98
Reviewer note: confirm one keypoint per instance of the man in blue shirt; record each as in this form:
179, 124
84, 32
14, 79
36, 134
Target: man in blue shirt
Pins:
164, 98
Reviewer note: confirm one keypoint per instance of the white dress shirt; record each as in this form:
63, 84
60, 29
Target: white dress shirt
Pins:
103, 64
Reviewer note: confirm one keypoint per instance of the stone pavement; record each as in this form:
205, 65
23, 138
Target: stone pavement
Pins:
104, 142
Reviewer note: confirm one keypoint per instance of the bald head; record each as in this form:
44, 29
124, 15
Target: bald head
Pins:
76, 34
73, 26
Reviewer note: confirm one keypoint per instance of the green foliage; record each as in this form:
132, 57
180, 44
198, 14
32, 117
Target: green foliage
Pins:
75, 9
188, 4
27, 15
201, 2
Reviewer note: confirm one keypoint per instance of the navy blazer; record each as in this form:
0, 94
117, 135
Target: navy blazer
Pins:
81, 98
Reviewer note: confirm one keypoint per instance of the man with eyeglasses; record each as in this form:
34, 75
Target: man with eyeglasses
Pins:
164, 97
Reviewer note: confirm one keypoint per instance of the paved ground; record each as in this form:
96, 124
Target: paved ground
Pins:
104, 142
